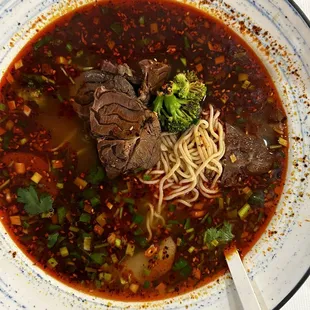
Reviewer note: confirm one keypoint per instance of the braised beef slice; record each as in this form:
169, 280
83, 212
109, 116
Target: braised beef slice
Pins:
128, 134
123, 70
94, 79
252, 157
155, 75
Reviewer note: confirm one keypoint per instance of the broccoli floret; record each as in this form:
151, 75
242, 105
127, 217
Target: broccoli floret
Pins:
188, 86
178, 104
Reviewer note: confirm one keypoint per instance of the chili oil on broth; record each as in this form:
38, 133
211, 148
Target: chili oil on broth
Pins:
126, 33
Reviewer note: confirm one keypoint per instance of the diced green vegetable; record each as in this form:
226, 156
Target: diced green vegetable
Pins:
186, 271
95, 201
114, 190
129, 201
137, 218
41, 42
142, 241
61, 213
87, 243
85, 218
64, 252
117, 28
146, 284
187, 224
147, 177
89, 193
146, 272
183, 61
180, 264
138, 232
114, 258
186, 43
98, 258
74, 229
53, 227
52, 239
60, 185
69, 47
96, 175
141, 20
118, 243
173, 222
52, 262
2, 107
107, 277
221, 203
191, 249
244, 211
130, 250
257, 198
172, 207
247, 192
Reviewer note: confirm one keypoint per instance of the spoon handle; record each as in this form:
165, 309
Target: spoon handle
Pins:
242, 282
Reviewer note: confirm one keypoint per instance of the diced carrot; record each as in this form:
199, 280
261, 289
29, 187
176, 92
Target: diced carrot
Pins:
111, 44
61, 60
15, 220
35, 164
197, 273
9, 125
219, 60
27, 110
18, 64
98, 230
12, 105
57, 164
80, 183
161, 288
10, 78
13, 209
199, 68
154, 28
88, 208
2, 131
20, 168
54, 219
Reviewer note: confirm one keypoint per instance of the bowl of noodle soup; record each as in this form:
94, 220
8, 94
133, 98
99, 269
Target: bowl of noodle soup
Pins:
184, 193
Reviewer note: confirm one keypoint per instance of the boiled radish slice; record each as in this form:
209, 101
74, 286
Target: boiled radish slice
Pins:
141, 268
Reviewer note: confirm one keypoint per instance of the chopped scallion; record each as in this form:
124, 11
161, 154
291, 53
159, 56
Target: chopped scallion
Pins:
244, 211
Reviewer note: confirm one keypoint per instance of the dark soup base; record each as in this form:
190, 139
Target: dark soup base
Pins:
36, 116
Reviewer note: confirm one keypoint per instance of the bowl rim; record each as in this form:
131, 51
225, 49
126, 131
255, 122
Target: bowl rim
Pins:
305, 277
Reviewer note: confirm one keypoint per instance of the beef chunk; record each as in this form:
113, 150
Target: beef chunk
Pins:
128, 134
155, 75
253, 157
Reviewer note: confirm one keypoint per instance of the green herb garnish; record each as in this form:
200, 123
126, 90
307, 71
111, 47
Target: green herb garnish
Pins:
214, 236
33, 204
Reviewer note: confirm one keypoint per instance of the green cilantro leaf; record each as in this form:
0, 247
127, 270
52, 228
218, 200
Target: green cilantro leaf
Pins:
52, 239
33, 204
96, 175
214, 236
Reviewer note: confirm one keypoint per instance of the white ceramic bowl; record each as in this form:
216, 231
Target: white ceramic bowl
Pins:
277, 265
